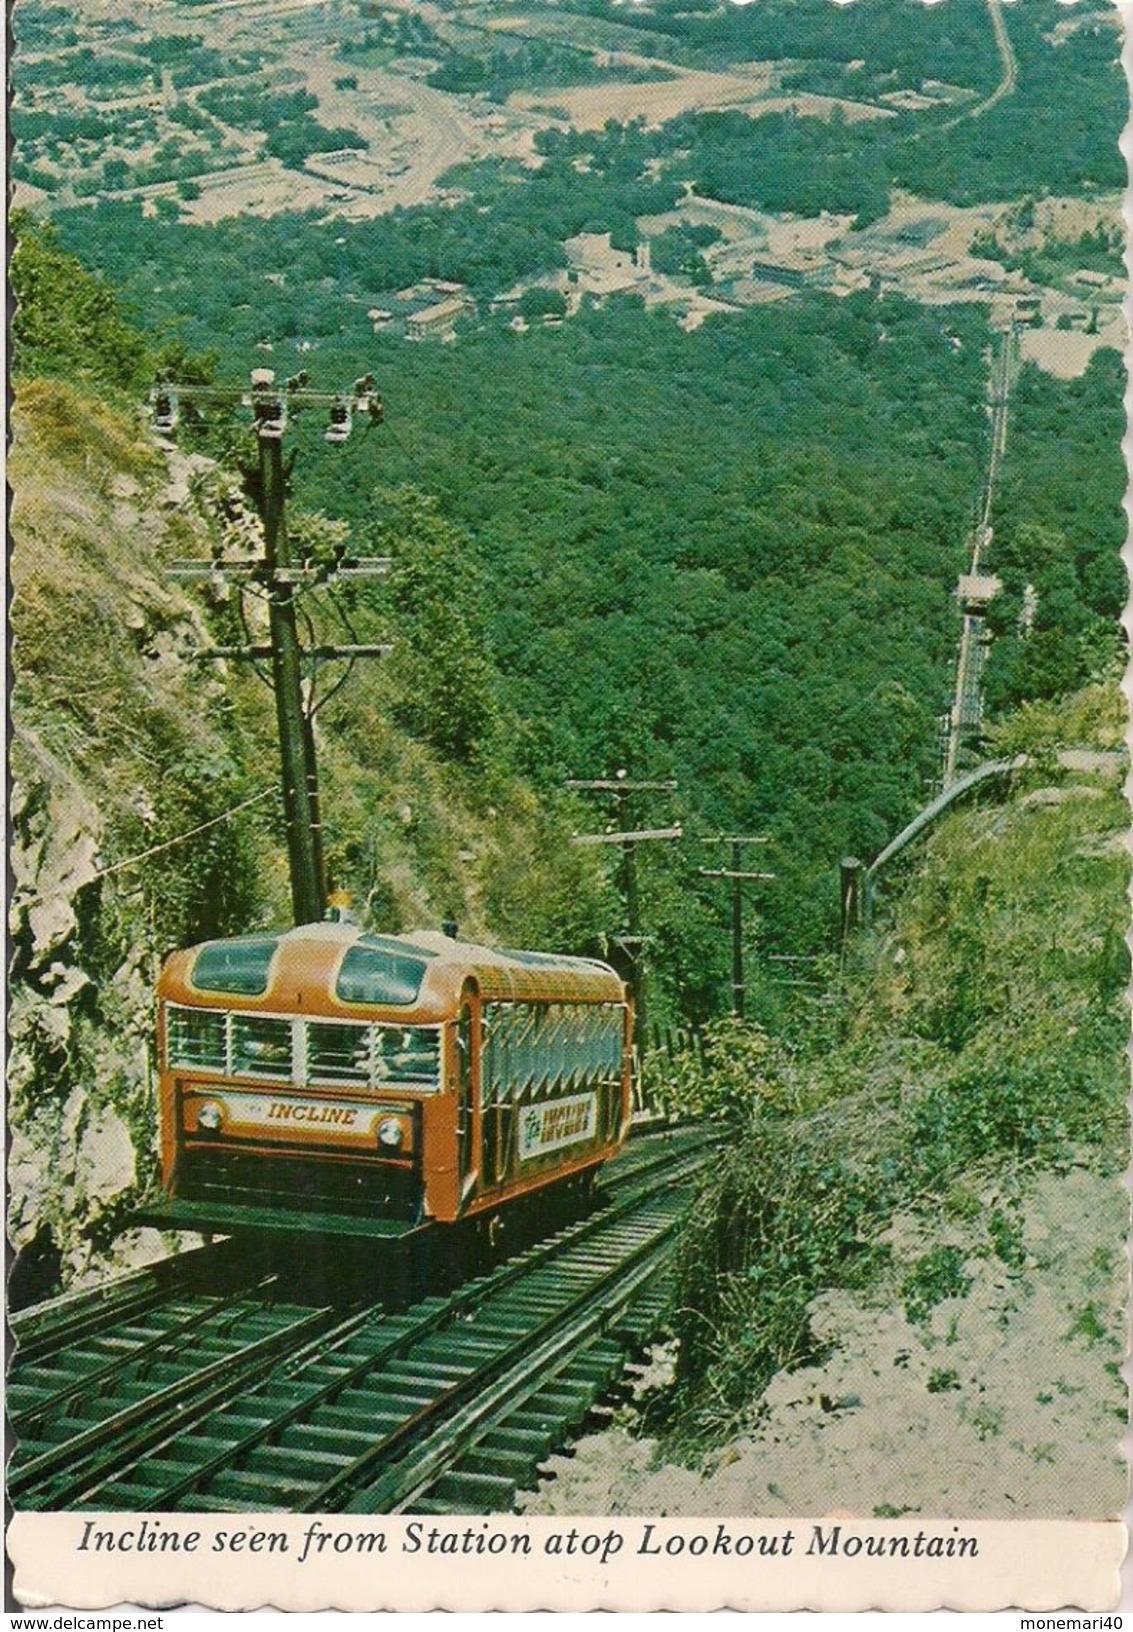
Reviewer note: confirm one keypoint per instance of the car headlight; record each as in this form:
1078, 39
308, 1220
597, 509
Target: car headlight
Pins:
390, 1132
209, 1118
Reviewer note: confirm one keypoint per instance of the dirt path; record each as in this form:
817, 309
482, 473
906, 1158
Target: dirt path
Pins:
1006, 56
1010, 68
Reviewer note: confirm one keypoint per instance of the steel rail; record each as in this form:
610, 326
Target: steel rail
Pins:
136, 1428
46, 1328
403, 1341
146, 1350
520, 1372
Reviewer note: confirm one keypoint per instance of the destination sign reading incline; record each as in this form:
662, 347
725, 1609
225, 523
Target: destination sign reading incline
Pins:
277, 1116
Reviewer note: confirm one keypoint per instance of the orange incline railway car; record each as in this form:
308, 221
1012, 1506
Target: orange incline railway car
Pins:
325, 1078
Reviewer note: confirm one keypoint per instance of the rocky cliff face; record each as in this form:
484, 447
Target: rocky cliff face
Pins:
57, 835
107, 720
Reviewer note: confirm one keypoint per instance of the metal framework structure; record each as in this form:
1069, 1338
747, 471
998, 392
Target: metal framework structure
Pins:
977, 588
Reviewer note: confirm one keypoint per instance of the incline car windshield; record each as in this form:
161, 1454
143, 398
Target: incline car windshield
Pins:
240, 966
381, 972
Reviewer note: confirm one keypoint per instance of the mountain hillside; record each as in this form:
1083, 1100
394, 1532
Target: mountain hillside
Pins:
902, 1291
608, 573
146, 814
108, 724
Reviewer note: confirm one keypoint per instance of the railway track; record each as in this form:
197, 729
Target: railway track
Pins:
74, 1318
248, 1401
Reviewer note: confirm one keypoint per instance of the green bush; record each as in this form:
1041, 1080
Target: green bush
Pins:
67, 320
988, 1043
936, 1275
776, 1223
731, 1069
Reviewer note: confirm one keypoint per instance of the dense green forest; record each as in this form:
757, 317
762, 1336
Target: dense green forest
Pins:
906, 40
1060, 534
723, 556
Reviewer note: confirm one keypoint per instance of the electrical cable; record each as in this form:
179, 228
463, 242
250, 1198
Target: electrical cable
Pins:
241, 591
154, 850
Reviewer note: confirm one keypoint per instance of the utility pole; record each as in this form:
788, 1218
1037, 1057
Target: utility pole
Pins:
633, 940
738, 878
854, 893
282, 577
296, 738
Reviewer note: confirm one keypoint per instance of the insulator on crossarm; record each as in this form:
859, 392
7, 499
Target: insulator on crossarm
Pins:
268, 407
165, 412
271, 417
338, 428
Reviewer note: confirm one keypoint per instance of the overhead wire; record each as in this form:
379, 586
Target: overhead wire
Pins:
153, 850
241, 590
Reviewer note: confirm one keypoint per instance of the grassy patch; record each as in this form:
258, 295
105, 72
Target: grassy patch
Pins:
981, 1039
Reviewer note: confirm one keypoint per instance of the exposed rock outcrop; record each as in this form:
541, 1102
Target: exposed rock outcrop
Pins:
117, 745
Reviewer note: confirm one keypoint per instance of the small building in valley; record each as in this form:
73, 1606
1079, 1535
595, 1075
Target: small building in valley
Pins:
438, 322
